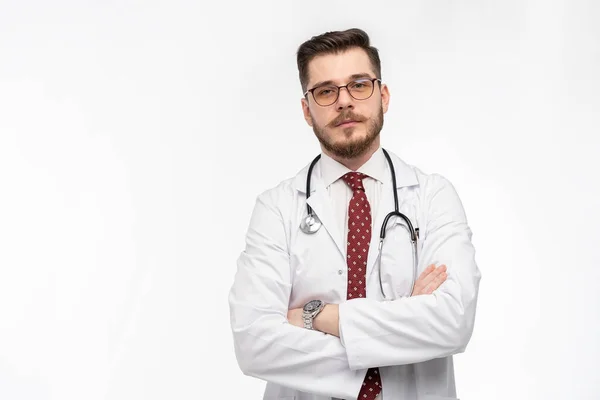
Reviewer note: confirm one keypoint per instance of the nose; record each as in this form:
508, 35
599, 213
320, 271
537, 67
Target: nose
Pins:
344, 100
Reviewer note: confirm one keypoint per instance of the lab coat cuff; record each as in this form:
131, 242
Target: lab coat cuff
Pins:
344, 311
341, 333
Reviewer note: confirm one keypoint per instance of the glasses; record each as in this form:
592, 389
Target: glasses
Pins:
360, 89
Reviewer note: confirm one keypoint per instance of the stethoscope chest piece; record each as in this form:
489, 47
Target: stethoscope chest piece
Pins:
310, 224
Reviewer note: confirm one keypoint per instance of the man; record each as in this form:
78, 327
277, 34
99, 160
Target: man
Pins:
324, 313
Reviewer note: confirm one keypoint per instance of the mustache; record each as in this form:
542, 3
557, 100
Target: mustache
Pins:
346, 116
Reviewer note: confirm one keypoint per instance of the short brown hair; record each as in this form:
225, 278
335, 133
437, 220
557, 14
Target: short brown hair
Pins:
334, 43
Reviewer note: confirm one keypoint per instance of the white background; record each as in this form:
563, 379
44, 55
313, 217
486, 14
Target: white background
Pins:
135, 137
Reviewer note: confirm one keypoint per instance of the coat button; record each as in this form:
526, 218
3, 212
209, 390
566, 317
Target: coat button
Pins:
340, 272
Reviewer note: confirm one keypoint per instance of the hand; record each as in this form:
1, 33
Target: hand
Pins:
430, 280
294, 317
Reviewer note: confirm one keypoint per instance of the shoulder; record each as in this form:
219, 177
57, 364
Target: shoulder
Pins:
427, 182
441, 200
285, 192
435, 190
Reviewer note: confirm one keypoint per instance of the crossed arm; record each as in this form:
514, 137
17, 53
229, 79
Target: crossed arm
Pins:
375, 334
328, 319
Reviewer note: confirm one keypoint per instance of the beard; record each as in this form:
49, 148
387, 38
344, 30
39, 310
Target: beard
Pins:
351, 148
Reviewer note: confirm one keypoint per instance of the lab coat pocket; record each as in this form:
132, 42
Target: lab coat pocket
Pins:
436, 397
397, 258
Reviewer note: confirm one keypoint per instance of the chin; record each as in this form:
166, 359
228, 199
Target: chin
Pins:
348, 142
350, 138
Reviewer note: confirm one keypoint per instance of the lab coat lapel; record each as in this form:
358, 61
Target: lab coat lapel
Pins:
320, 202
386, 205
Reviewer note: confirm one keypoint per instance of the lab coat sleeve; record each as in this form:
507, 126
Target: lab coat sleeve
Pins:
266, 345
420, 328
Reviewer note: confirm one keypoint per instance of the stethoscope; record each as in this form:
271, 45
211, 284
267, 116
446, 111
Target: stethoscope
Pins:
311, 223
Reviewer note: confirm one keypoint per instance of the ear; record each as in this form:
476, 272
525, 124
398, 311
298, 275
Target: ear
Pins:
306, 111
385, 97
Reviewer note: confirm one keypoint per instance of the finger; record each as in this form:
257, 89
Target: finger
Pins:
437, 282
434, 274
426, 277
428, 284
427, 271
424, 274
421, 282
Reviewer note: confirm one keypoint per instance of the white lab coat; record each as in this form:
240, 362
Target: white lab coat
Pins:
410, 339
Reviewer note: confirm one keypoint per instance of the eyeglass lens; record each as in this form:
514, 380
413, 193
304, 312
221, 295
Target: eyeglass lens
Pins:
360, 90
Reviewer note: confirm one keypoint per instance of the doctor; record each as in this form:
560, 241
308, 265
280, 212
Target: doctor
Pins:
324, 314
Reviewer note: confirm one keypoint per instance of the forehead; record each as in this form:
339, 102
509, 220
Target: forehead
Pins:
338, 67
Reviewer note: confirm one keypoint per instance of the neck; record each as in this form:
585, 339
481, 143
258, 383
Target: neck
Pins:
356, 162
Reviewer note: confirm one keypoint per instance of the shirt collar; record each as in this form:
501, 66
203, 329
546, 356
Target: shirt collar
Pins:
331, 170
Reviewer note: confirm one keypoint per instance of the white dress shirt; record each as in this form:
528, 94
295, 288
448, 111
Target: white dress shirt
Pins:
340, 193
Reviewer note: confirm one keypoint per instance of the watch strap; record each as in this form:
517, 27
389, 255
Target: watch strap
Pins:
308, 318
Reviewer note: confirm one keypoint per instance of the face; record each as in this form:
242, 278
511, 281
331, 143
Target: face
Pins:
349, 127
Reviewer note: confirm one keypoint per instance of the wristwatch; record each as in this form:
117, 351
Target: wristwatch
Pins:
310, 311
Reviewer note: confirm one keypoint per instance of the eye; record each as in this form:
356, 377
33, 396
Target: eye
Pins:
360, 84
326, 91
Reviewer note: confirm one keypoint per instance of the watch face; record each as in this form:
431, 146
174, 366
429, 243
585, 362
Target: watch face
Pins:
312, 305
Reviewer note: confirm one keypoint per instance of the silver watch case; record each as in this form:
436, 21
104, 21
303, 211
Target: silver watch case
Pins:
310, 311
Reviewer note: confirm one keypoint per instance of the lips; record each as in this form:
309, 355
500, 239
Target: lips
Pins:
347, 119
346, 122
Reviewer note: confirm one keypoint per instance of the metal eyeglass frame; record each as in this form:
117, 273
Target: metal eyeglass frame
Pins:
339, 88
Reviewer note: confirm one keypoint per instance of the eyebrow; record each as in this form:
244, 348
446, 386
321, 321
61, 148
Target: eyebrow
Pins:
351, 78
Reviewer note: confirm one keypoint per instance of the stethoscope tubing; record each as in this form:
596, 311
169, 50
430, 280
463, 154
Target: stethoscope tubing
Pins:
311, 223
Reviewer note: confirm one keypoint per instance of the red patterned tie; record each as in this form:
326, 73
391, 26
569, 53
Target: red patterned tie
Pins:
359, 238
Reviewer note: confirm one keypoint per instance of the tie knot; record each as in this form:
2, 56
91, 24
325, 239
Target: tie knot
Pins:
355, 180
